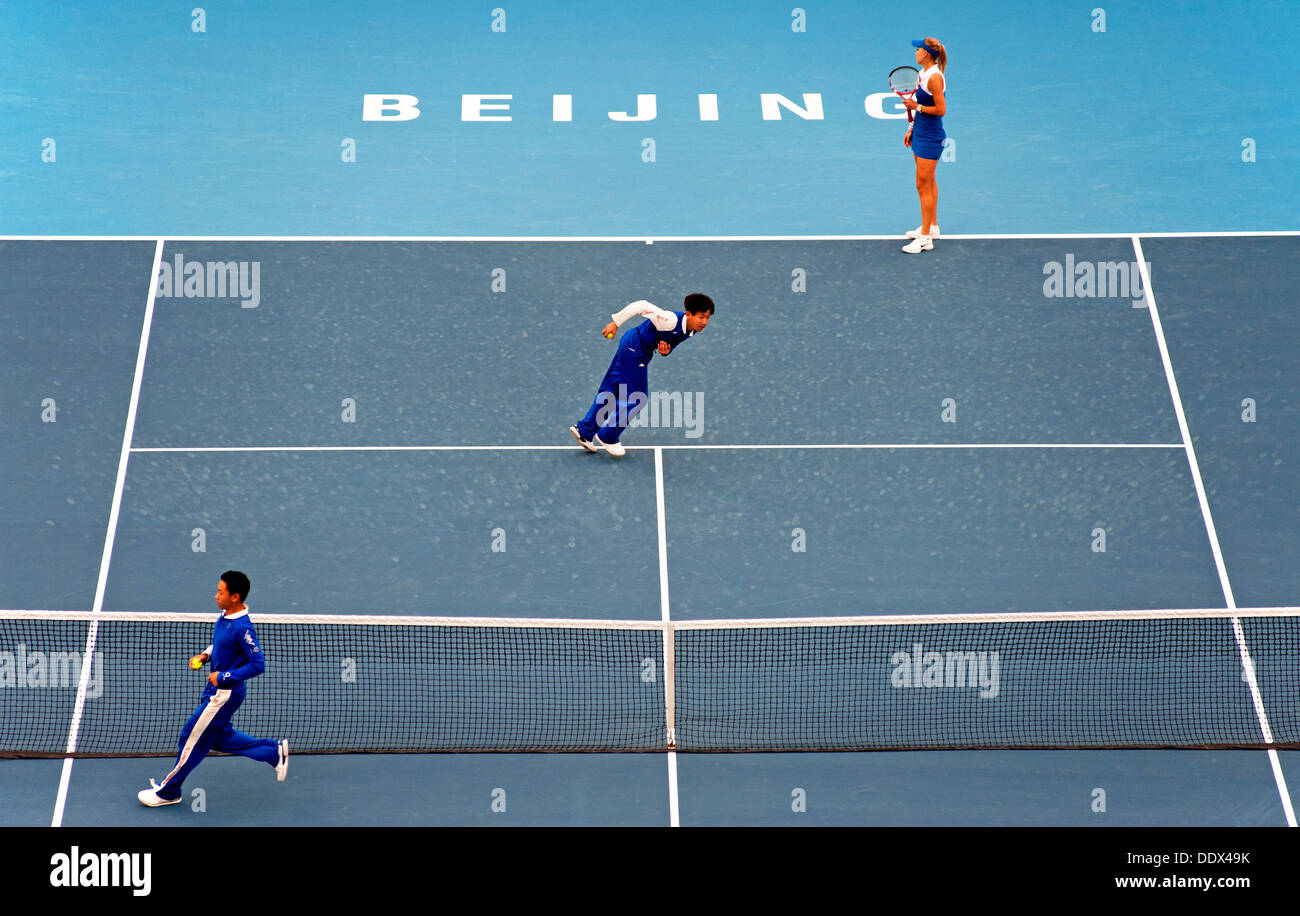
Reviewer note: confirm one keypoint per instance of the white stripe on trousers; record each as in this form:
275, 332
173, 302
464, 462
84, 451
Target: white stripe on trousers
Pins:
214, 706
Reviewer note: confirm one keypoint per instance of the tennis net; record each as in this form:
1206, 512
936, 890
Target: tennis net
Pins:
118, 683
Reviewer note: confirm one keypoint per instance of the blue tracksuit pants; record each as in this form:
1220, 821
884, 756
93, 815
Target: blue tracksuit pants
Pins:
627, 376
209, 729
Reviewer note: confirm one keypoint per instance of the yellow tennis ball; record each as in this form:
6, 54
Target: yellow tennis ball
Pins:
196, 662
609, 336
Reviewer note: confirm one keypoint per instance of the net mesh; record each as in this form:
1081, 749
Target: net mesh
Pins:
348, 684
1172, 682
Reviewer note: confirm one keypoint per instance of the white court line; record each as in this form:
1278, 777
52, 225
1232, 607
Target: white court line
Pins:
1248, 666
663, 535
641, 239
107, 555
656, 448
670, 644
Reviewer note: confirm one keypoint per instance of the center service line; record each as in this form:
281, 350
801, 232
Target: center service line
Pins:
670, 644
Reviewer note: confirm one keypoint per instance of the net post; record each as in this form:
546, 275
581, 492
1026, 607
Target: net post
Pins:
670, 684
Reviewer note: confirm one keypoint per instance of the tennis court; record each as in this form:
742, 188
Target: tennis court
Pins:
369, 413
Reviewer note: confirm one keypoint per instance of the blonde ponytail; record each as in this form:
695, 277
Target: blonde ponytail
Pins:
938, 52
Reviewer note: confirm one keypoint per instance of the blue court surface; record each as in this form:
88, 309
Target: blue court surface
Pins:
1085, 398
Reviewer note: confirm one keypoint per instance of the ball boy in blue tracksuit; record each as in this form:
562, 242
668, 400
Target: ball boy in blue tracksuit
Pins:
625, 388
236, 656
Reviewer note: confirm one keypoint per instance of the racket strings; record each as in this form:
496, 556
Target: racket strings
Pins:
904, 80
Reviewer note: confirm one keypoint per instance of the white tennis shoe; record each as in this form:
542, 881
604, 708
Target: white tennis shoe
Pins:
917, 233
153, 799
615, 449
282, 768
918, 245
585, 443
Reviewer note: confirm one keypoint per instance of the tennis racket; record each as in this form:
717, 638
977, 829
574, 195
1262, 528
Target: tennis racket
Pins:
904, 81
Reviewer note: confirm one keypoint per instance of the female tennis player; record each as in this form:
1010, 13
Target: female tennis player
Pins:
925, 137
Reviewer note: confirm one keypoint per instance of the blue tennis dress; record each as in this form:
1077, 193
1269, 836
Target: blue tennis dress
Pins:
927, 129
